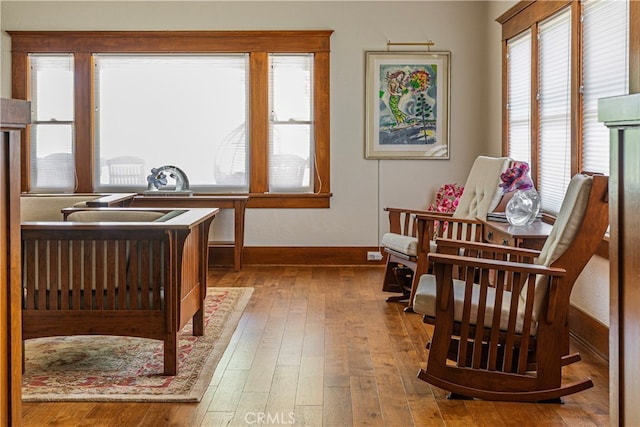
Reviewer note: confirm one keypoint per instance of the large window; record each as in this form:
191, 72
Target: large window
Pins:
238, 112
579, 54
188, 111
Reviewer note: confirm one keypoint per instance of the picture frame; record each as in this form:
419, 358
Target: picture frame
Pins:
407, 105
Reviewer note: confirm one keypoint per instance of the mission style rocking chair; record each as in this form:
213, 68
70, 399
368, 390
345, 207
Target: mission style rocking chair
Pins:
407, 246
500, 318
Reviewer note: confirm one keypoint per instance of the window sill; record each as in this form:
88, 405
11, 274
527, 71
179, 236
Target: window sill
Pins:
284, 200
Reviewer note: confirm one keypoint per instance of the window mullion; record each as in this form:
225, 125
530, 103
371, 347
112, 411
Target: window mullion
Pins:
259, 122
321, 126
84, 150
576, 64
535, 105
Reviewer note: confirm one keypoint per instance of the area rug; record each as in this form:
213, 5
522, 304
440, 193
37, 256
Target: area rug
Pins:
105, 368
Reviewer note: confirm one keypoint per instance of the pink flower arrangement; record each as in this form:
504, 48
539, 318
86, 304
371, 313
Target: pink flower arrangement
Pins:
516, 177
447, 199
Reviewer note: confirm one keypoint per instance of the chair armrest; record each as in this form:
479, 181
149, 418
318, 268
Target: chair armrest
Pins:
409, 211
522, 267
403, 221
445, 266
443, 216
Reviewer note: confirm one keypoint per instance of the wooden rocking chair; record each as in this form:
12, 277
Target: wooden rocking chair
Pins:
501, 330
407, 246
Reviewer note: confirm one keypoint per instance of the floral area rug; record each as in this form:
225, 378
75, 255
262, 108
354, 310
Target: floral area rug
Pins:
106, 368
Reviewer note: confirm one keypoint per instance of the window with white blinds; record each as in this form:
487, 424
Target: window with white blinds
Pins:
519, 97
188, 111
604, 73
290, 125
554, 107
52, 123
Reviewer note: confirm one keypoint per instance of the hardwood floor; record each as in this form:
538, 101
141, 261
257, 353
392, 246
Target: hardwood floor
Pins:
320, 346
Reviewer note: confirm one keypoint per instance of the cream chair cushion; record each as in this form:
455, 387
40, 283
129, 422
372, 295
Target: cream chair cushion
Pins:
424, 302
565, 228
49, 207
114, 216
481, 195
404, 244
481, 191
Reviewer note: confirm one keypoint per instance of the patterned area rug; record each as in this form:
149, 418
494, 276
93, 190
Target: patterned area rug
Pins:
105, 368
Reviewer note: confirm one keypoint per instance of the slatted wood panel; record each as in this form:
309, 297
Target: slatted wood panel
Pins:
122, 274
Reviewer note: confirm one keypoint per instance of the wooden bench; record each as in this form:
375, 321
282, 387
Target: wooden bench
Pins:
117, 271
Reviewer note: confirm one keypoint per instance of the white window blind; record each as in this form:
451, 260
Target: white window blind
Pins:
519, 96
554, 106
188, 111
604, 73
52, 116
290, 126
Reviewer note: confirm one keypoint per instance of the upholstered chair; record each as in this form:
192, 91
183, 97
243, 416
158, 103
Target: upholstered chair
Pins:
500, 314
407, 247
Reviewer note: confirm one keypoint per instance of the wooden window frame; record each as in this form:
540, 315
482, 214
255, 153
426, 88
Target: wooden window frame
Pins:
258, 44
527, 15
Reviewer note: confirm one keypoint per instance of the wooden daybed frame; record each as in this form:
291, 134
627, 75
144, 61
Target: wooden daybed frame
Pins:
144, 279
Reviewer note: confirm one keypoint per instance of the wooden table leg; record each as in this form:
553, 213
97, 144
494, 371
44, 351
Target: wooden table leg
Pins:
238, 246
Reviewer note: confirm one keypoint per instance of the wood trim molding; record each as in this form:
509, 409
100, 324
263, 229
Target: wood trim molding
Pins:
294, 255
524, 14
589, 331
15, 115
634, 47
169, 41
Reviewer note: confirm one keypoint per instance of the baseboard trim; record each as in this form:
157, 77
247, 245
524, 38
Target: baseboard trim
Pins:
590, 332
295, 255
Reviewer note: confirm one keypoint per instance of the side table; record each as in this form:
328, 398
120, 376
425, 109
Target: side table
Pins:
530, 236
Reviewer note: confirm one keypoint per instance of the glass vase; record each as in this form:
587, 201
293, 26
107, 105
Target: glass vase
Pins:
523, 207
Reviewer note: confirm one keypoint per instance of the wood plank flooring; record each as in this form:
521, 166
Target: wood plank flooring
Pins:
319, 346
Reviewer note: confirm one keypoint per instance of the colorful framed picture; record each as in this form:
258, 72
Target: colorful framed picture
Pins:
407, 105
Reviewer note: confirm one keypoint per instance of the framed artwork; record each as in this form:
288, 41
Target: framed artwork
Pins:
407, 105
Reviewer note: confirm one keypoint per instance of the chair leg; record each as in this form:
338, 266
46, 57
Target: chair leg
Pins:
404, 277
456, 396
171, 354
390, 283
412, 293
198, 323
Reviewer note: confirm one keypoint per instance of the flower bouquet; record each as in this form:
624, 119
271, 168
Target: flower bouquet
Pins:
516, 177
447, 199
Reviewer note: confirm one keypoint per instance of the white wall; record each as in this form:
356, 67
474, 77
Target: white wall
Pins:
358, 26
361, 188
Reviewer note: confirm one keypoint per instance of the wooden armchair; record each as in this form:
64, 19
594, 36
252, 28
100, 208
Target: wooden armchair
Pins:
500, 315
408, 242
